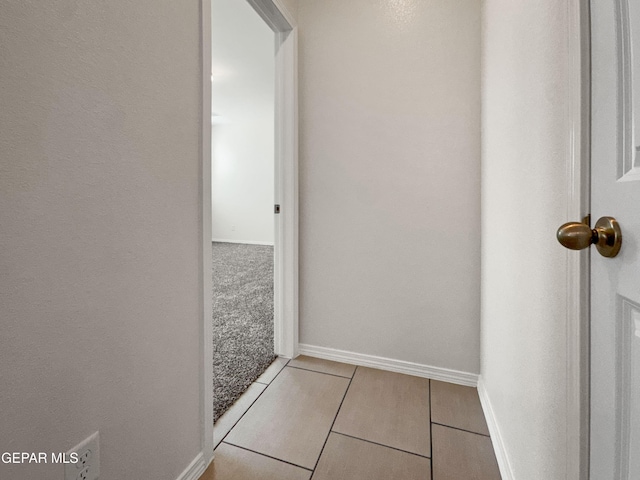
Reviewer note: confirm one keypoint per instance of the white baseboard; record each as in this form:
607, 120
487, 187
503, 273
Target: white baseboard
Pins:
496, 437
195, 469
400, 366
246, 242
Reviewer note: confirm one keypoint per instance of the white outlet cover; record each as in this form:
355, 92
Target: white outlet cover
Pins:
88, 466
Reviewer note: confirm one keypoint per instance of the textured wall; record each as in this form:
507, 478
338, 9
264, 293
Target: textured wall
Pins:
99, 282
524, 199
390, 179
291, 6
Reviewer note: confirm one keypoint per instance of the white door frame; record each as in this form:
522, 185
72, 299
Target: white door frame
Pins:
280, 20
578, 188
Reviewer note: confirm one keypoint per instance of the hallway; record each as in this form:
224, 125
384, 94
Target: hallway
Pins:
311, 418
434, 149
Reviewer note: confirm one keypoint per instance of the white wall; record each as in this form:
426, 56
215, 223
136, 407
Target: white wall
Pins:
243, 94
99, 207
524, 199
390, 179
291, 6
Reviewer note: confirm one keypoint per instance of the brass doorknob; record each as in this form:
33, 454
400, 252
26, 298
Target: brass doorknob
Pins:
606, 236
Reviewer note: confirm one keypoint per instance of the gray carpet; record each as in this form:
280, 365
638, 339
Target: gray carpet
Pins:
242, 319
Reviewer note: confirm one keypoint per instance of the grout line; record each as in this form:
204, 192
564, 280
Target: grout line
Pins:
333, 423
269, 383
268, 456
316, 371
461, 429
430, 430
252, 403
379, 444
241, 416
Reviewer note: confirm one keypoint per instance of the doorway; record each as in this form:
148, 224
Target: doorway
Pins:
242, 186
285, 264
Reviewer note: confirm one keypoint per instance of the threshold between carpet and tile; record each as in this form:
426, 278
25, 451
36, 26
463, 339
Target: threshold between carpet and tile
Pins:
242, 319
317, 419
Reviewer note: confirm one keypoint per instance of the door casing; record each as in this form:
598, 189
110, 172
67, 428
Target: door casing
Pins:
578, 263
279, 19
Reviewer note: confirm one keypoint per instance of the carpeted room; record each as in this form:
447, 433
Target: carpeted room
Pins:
242, 319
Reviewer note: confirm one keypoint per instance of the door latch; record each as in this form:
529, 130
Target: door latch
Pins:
276, 208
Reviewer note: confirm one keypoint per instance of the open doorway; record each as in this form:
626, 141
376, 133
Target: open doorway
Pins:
285, 264
242, 198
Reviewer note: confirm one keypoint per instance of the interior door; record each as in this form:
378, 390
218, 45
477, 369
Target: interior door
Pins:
615, 282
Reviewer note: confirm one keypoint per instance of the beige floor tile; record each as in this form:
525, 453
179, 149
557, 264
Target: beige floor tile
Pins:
457, 406
323, 366
387, 408
233, 463
352, 459
291, 419
462, 455
226, 422
273, 370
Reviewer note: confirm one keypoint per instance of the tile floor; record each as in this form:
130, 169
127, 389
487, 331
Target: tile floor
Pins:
314, 419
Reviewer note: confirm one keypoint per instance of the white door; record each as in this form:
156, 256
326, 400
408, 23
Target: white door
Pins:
615, 282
